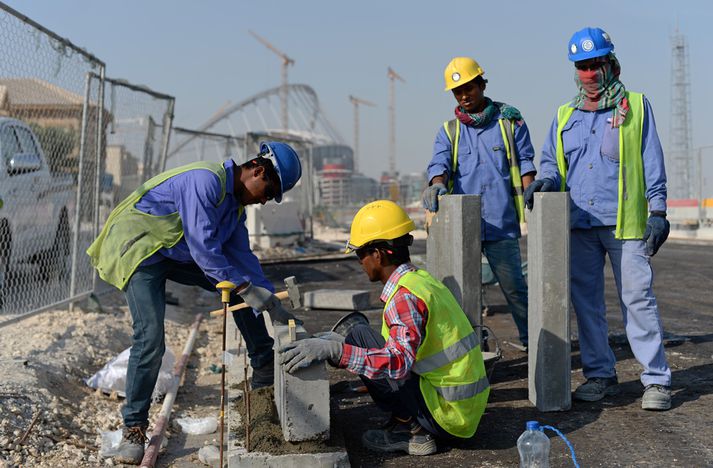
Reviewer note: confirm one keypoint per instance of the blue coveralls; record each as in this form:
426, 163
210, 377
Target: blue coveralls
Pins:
591, 148
483, 170
215, 247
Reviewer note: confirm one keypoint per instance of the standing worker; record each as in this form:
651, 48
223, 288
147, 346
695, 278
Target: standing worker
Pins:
486, 151
603, 148
188, 225
425, 367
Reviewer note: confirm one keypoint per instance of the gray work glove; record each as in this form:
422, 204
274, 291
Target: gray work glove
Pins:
330, 336
656, 233
430, 196
261, 299
540, 185
303, 353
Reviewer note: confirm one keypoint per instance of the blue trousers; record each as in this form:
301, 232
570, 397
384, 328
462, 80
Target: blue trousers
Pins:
146, 296
504, 259
634, 282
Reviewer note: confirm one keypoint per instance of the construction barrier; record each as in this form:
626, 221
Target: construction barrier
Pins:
51, 133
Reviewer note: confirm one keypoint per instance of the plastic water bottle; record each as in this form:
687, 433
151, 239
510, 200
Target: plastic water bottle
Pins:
534, 447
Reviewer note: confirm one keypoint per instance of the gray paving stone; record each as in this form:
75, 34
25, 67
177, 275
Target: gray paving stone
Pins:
337, 299
549, 356
453, 251
299, 460
301, 398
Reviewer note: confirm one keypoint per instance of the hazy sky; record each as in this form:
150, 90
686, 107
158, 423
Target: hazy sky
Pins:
201, 53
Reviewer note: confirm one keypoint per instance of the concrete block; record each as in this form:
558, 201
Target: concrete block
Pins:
337, 299
453, 251
301, 398
549, 356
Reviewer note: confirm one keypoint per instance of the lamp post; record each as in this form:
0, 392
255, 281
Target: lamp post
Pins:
700, 183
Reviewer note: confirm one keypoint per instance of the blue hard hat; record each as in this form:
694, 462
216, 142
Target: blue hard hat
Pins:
286, 163
589, 43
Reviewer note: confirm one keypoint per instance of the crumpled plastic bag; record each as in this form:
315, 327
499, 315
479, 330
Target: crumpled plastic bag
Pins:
198, 426
112, 377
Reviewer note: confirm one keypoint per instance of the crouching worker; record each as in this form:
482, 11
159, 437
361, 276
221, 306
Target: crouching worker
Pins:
425, 367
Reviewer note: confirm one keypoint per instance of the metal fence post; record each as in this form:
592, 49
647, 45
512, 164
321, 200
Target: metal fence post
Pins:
80, 180
167, 126
100, 144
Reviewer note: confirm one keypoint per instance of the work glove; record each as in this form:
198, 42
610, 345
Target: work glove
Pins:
540, 185
303, 353
430, 196
656, 233
261, 299
330, 336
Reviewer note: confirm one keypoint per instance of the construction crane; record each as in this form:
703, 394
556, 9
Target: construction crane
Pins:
356, 102
393, 76
286, 62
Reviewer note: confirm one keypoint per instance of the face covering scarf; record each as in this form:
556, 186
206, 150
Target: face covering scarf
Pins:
483, 118
600, 88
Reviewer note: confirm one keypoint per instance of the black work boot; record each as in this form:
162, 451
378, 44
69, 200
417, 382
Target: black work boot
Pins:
131, 447
400, 436
264, 376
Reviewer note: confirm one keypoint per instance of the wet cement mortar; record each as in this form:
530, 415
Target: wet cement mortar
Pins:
266, 431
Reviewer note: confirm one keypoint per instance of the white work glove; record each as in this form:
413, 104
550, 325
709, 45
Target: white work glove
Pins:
330, 336
261, 299
303, 353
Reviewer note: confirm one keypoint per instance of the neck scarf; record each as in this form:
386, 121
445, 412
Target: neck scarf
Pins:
601, 89
483, 118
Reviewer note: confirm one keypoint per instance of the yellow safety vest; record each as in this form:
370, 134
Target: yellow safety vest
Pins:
449, 362
452, 128
131, 236
632, 209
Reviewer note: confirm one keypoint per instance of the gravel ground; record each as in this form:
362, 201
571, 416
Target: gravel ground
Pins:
44, 359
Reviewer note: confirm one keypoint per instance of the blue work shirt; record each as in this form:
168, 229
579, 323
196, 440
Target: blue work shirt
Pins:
591, 148
214, 236
483, 170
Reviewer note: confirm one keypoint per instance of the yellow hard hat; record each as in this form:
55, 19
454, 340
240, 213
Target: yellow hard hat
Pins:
378, 220
461, 70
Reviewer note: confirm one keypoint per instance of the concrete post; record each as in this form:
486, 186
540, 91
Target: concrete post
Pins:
549, 356
453, 251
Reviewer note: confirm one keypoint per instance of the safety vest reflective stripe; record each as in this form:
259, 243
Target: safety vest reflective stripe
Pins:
463, 392
453, 352
452, 128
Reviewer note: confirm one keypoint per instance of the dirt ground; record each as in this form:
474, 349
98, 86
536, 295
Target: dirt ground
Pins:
44, 359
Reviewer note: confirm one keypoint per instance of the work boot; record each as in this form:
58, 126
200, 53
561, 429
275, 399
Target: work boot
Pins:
656, 398
596, 388
264, 376
131, 447
400, 436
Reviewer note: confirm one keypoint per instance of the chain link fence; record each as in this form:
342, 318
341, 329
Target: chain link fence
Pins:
51, 131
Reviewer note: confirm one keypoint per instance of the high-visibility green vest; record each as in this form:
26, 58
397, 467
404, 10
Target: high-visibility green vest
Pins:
507, 130
632, 209
131, 236
449, 362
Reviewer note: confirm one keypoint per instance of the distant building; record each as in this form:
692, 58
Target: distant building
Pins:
364, 189
335, 185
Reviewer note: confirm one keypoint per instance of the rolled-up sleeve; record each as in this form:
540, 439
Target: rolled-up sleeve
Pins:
653, 157
525, 151
197, 198
548, 163
441, 161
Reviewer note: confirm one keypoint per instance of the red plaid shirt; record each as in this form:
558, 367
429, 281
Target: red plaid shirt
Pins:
405, 317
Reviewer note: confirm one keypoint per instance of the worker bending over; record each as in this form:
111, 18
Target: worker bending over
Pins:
425, 367
188, 225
